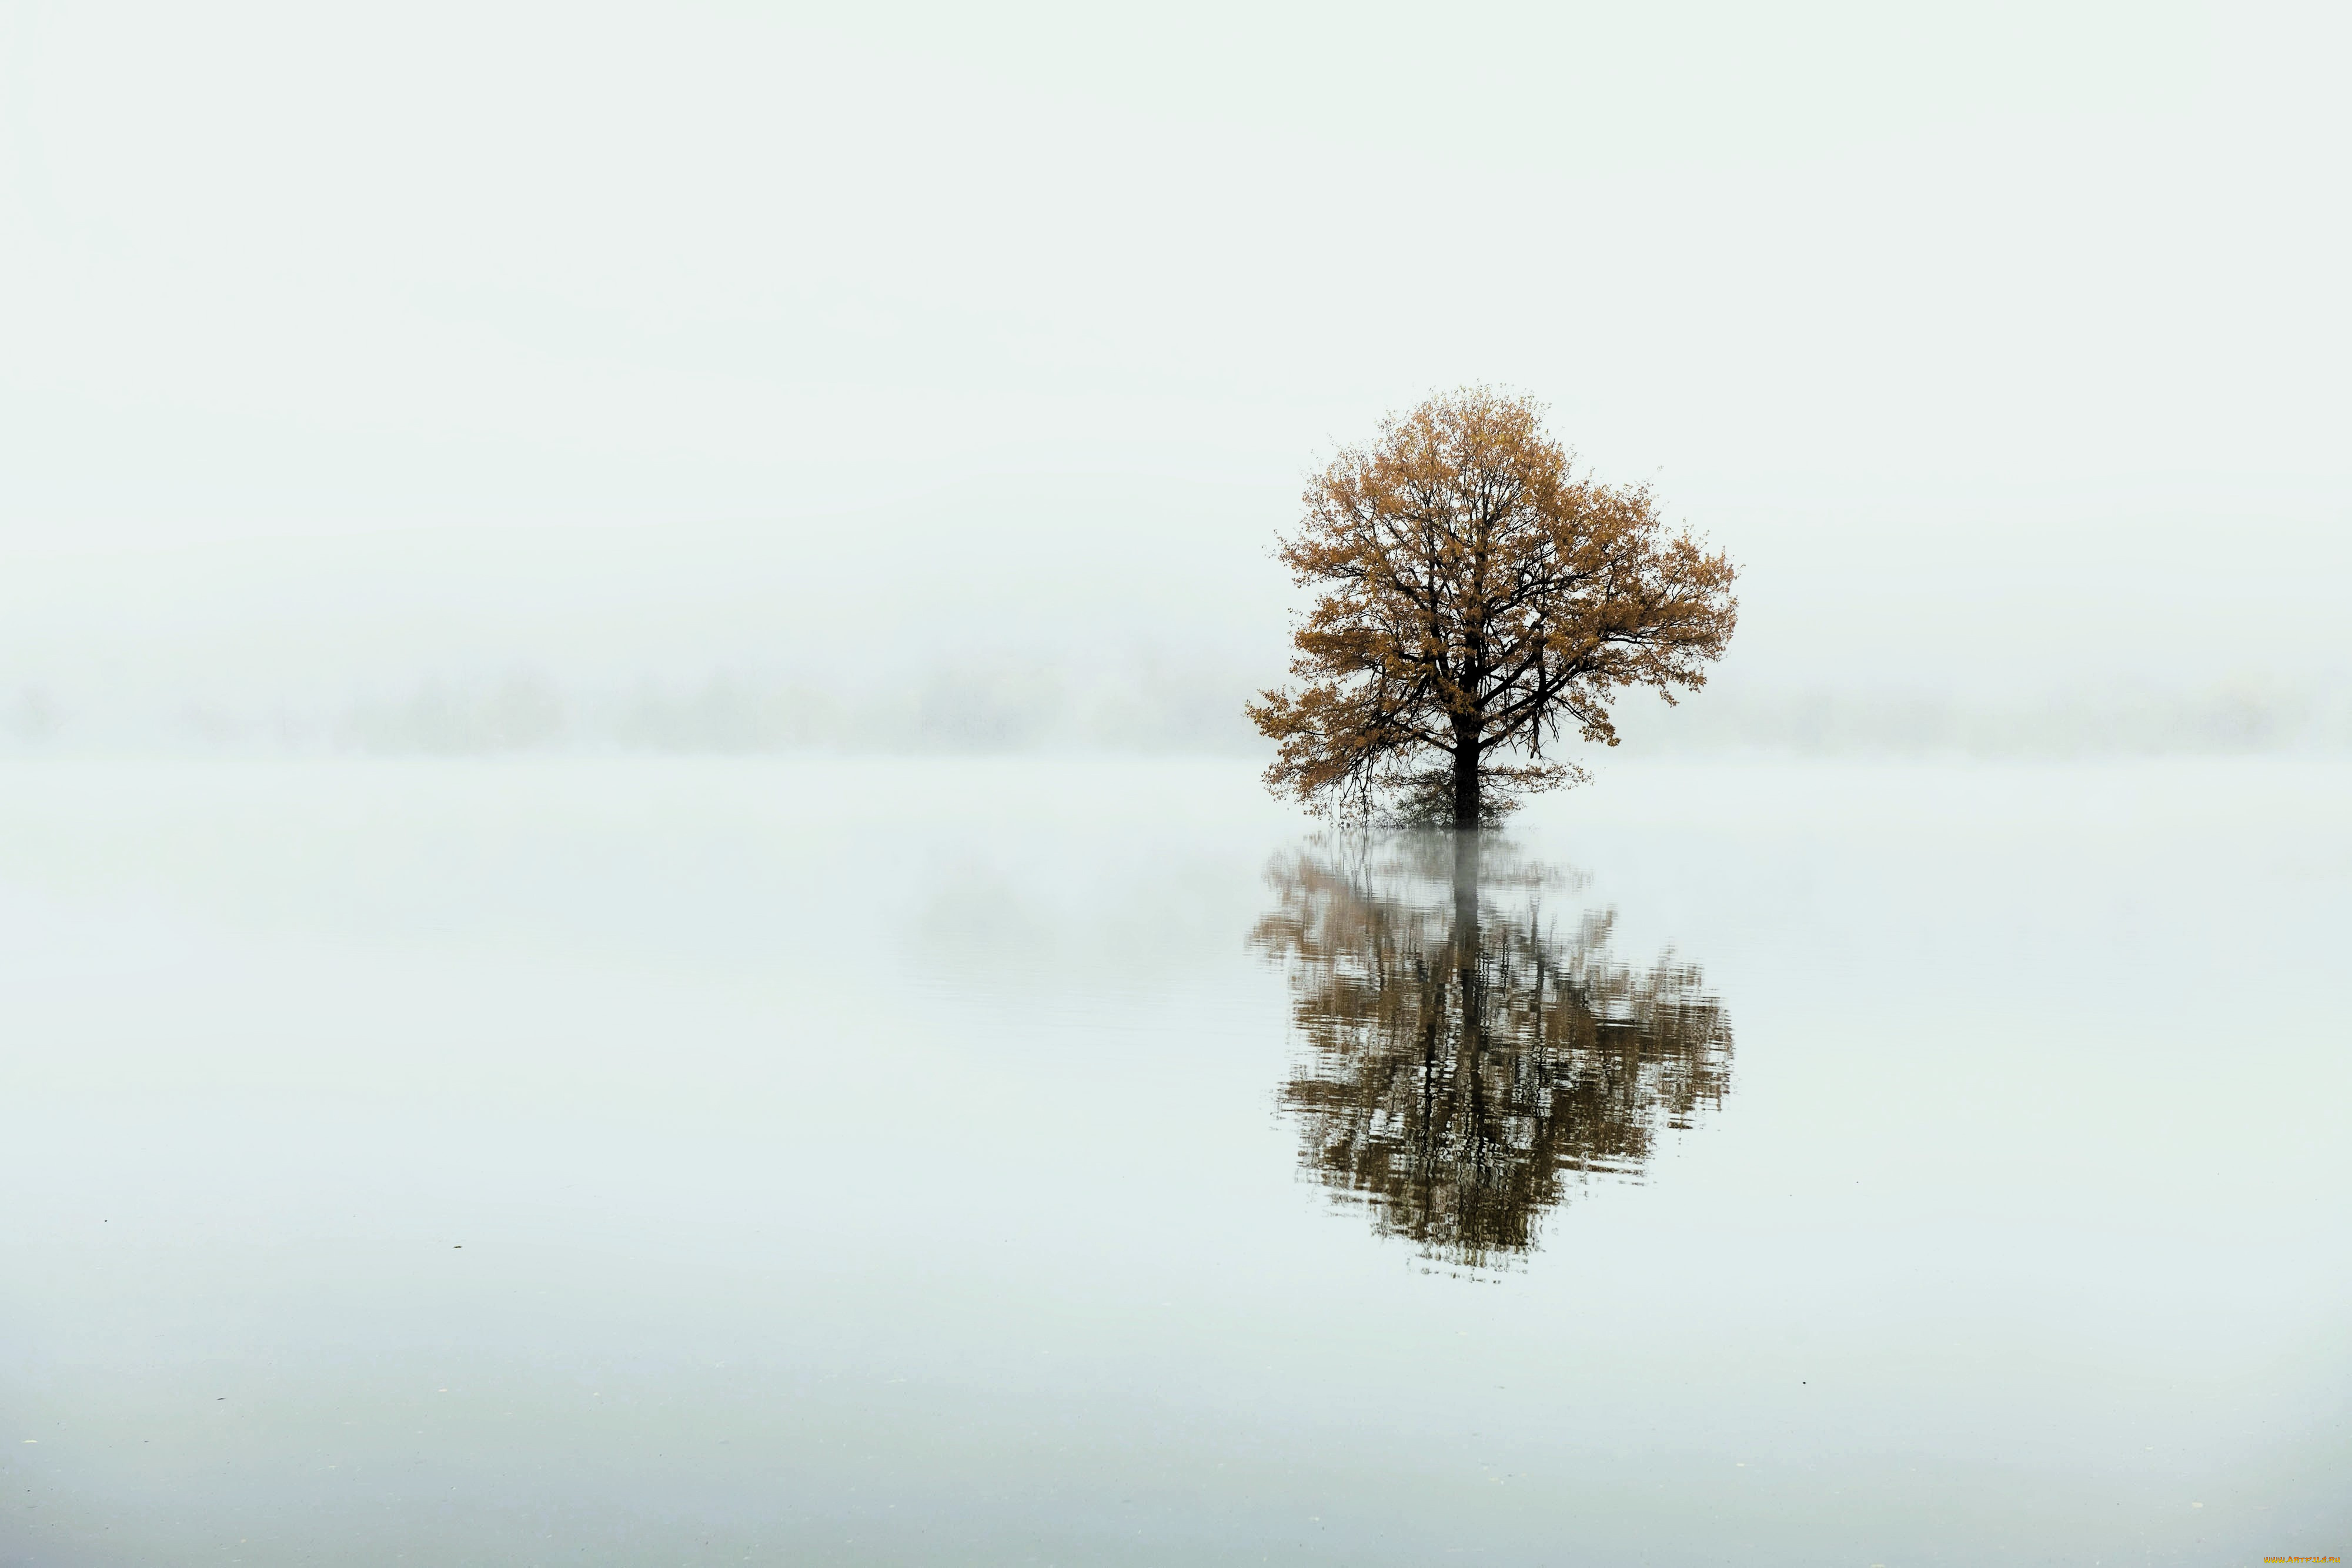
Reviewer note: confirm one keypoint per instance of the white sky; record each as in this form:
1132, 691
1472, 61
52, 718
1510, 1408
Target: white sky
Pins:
2031, 318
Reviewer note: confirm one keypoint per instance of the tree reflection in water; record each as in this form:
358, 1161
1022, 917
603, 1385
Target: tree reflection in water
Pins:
1463, 1051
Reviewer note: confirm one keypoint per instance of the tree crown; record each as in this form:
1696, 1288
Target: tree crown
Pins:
1476, 598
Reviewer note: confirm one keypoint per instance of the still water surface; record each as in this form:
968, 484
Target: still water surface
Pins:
1073, 1162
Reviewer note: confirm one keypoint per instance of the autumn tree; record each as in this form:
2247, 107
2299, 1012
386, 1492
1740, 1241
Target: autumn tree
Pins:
1478, 600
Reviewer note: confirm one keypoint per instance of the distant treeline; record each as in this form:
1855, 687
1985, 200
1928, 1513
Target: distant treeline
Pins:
1014, 707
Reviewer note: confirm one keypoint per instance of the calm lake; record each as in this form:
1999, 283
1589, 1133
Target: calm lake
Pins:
1084, 1162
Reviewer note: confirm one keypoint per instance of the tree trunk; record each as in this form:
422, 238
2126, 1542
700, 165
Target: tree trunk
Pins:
1465, 782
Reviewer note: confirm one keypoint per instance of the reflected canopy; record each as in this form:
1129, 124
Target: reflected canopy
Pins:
1464, 1048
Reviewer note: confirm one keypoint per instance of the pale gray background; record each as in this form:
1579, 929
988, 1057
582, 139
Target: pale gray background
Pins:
698, 375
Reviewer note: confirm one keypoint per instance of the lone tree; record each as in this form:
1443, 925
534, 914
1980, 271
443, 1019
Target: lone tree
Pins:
1477, 599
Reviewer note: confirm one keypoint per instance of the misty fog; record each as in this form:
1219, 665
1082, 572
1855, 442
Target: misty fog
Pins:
643, 924
515, 377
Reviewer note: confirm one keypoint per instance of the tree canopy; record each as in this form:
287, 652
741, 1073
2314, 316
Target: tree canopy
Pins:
1477, 599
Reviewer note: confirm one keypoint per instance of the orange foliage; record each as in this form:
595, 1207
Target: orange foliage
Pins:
1476, 598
